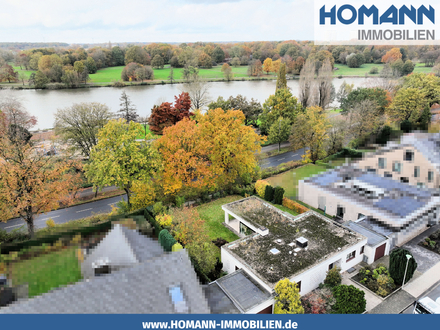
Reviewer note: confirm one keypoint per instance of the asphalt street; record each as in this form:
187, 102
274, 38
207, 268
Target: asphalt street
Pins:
66, 214
283, 158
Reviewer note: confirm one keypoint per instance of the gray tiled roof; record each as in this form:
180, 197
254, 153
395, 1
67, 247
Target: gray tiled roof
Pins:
140, 289
143, 247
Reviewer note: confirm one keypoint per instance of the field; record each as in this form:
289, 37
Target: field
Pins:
48, 271
110, 75
344, 70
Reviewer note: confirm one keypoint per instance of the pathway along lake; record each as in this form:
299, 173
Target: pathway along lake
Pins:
44, 103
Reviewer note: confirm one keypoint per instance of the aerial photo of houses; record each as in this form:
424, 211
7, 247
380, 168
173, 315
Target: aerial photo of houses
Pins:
213, 163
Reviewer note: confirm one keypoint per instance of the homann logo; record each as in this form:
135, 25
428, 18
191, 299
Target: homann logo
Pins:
391, 15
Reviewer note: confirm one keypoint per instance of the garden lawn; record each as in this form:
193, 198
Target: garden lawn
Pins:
214, 216
289, 180
422, 68
344, 70
48, 271
141, 134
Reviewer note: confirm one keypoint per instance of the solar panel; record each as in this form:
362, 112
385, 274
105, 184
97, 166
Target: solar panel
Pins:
402, 206
326, 178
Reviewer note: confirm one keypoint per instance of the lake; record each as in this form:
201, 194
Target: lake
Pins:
44, 103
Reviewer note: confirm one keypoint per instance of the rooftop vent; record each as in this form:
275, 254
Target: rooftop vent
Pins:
279, 241
274, 251
302, 242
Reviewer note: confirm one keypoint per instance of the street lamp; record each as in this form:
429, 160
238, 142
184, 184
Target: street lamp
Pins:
408, 256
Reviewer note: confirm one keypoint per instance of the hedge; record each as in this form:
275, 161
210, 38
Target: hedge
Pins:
52, 238
278, 195
290, 204
166, 240
151, 219
268, 193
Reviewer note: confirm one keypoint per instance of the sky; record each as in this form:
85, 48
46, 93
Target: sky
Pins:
98, 21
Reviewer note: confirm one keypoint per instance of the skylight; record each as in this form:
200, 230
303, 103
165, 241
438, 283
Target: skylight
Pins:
178, 300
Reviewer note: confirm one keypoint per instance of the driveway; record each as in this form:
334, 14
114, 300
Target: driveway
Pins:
424, 257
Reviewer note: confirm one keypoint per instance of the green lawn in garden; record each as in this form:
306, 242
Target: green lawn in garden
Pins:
420, 67
289, 180
48, 271
107, 75
214, 216
141, 134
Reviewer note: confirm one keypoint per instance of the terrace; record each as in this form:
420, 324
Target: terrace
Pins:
288, 245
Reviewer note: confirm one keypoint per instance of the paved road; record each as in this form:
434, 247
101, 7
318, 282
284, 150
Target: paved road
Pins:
433, 293
65, 215
283, 158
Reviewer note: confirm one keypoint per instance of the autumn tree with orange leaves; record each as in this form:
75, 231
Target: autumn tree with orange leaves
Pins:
32, 182
166, 115
392, 55
209, 153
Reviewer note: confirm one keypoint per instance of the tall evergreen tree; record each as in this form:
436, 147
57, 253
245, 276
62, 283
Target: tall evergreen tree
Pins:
398, 261
128, 109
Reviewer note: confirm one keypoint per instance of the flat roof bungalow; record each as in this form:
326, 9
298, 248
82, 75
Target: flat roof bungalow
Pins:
301, 248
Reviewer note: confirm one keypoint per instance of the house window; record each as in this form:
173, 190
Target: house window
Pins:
430, 176
404, 179
382, 163
387, 175
420, 185
179, 302
362, 249
409, 156
360, 215
245, 230
397, 167
331, 266
350, 256
416, 171
299, 286
340, 212
371, 170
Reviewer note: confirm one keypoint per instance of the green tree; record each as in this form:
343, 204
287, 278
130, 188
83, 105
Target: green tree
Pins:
227, 72
429, 84
91, 65
39, 80
281, 77
118, 159
398, 261
408, 104
171, 76
287, 299
218, 55
282, 104
279, 131
310, 130
251, 109
157, 62
138, 55
78, 125
349, 300
357, 95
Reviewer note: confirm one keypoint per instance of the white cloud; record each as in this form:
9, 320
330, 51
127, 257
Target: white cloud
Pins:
147, 21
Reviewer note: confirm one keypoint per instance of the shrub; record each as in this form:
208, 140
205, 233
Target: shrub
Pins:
180, 200
166, 240
158, 208
406, 126
176, 247
333, 277
50, 223
290, 204
260, 187
374, 70
398, 263
165, 220
278, 195
268, 193
349, 300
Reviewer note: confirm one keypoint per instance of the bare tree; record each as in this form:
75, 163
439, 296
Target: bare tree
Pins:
306, 82
324, 85
337, 134
198, 91
128, 109
363, 119
388, 80
16, 113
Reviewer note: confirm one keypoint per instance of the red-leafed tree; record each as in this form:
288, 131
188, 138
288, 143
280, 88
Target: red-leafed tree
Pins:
167, 114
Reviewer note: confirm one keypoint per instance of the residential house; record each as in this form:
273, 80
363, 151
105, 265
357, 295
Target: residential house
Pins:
415, 160
279, 245
136, 281
383, 207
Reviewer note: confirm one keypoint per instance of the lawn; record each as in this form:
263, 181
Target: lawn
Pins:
109, 75
344, 70
289, 180
141, 134
48, 271
214, 216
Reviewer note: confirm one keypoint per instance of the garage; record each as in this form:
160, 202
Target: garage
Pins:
380, 251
